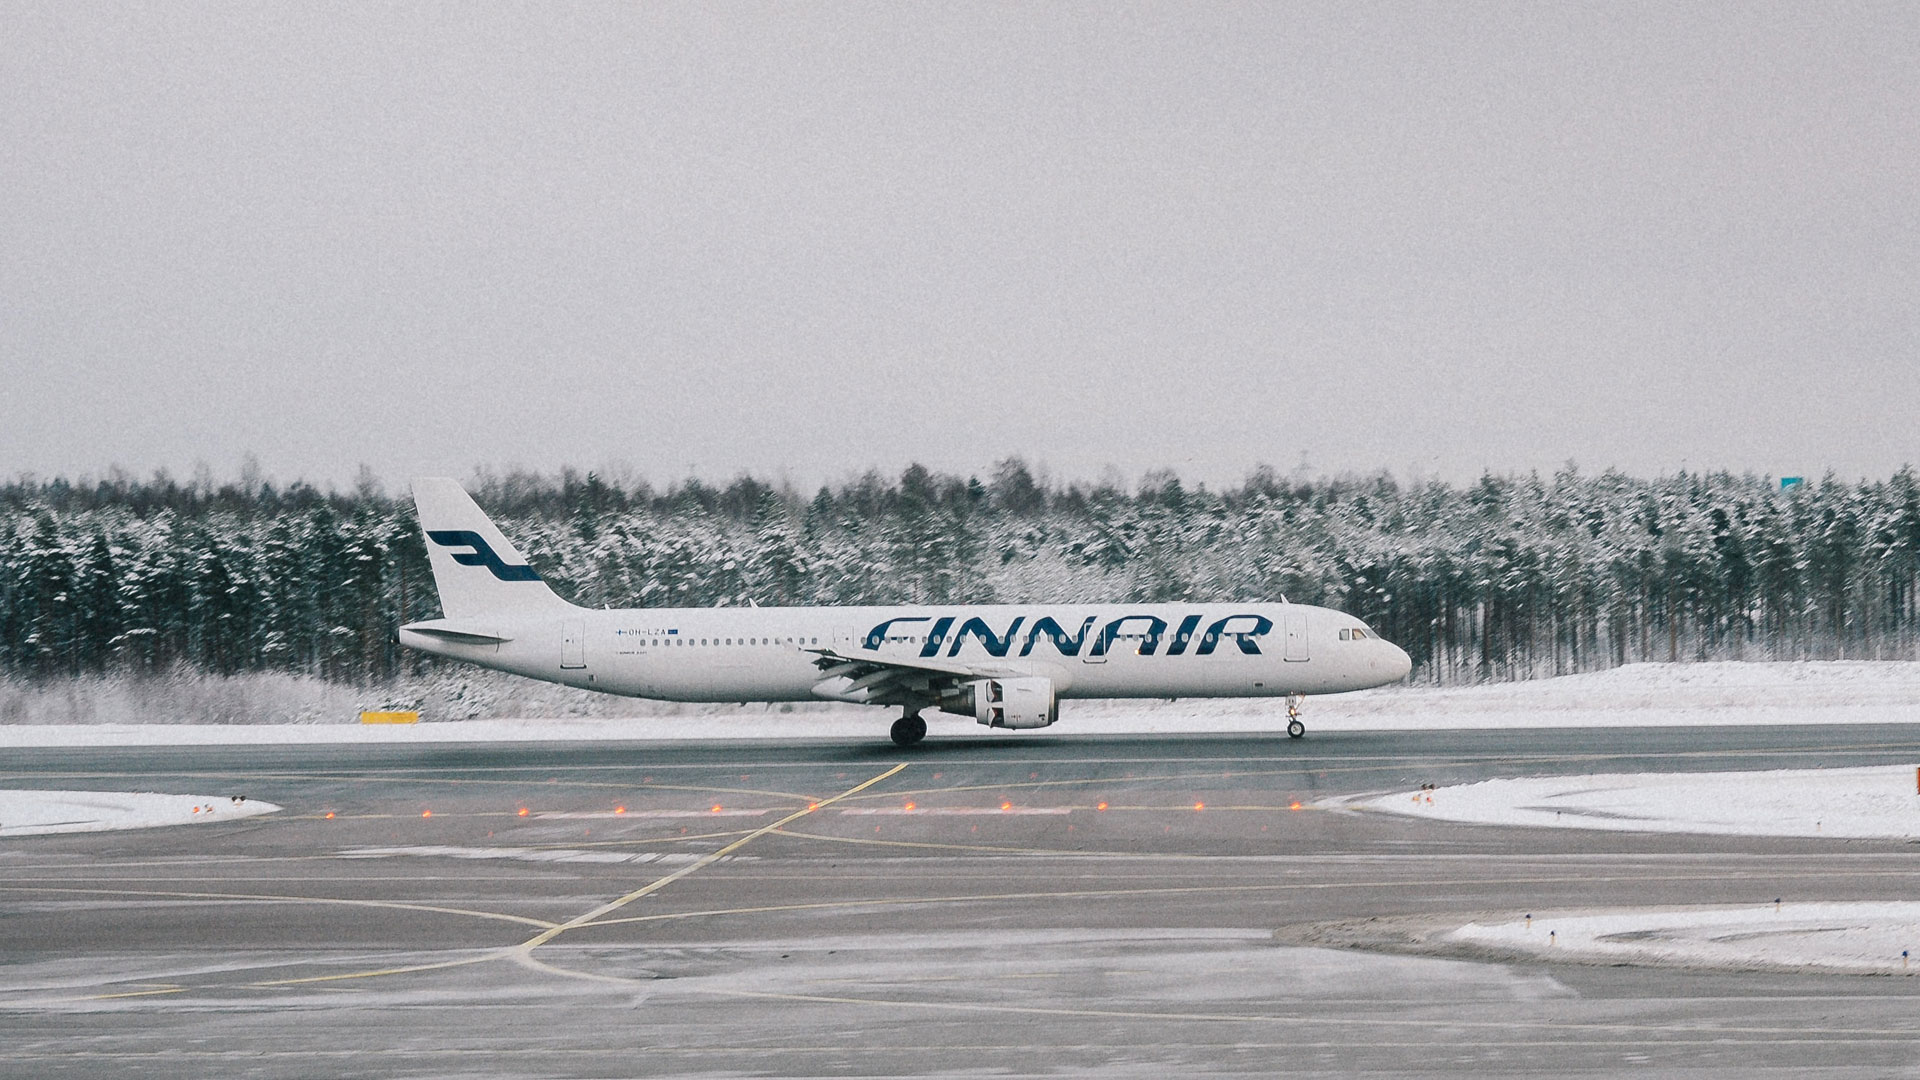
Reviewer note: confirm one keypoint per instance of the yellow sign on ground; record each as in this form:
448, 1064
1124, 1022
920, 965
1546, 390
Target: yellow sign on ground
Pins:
389, 717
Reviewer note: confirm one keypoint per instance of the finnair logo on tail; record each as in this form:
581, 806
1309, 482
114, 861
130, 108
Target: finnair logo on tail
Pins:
481, 555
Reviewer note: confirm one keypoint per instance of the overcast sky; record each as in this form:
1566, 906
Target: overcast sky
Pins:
805, 240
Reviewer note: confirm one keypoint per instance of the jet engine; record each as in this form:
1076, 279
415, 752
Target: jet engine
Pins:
1006, 703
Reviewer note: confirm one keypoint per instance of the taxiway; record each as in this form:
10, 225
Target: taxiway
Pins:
1058, 905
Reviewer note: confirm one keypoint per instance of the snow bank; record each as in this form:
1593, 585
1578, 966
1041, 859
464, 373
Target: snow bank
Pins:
1639, 695
1873, 938
1873, 802
176, 698
36, 813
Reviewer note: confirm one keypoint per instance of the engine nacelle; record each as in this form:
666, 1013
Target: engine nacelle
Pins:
1006, 703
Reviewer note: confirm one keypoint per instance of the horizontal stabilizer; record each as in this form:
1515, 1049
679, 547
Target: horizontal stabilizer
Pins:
447, 630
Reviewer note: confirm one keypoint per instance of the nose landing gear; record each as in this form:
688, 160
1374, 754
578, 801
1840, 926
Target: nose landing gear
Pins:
909, 729
1295, 729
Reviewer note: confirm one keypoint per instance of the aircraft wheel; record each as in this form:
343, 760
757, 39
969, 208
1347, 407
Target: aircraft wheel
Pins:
1295, 729
909, 730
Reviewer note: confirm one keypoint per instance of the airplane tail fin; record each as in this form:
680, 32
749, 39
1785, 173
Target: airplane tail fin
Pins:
476, 569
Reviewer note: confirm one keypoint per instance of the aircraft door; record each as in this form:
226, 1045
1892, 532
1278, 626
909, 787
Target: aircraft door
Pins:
573, 643
1296, 635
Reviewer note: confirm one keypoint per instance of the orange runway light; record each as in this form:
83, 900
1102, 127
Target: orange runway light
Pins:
523, 811
619, 809
329, 813
1101, 806
910, 806
426, 813
1199, 806
1006, 806
716, 808
1295, 806
813, 806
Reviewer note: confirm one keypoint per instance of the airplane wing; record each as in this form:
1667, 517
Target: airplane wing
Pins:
874, 679
830, 658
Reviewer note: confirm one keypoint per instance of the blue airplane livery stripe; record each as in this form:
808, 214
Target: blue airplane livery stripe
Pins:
481, 555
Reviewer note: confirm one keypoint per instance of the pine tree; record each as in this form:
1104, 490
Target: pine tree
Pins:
97, 595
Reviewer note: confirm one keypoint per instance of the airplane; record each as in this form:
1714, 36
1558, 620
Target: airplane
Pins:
1007, 666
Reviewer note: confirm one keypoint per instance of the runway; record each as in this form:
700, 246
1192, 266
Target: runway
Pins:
1054, 905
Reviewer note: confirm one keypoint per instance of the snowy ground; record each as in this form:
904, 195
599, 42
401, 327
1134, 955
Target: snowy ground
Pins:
1874, 938
1880, 801
36, 813
1661, 695
1874, 802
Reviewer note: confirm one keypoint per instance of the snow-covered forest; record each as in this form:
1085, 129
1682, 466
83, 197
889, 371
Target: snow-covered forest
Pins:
1508, 577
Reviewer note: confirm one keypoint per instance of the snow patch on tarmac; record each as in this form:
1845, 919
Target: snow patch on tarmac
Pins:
1875, 802
1860, 938
38, 813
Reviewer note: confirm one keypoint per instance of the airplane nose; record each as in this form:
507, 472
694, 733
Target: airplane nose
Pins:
1401, 664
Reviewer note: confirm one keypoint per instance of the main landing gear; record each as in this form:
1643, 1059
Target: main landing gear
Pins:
909, 729
1295, 729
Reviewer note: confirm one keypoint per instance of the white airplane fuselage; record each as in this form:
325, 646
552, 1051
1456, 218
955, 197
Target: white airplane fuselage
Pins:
1088, 651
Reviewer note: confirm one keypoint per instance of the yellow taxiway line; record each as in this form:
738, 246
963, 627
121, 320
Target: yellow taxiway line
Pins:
523, 952
525, 948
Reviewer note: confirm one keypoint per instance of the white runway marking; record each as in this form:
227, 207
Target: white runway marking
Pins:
565, 855
955, 811
596, 815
